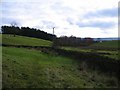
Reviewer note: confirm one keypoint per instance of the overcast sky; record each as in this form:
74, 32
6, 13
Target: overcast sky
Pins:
81, 18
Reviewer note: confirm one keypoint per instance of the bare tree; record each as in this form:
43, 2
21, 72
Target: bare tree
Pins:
14, 24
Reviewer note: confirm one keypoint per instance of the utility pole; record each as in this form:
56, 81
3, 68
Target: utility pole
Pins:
53, 38
53, 30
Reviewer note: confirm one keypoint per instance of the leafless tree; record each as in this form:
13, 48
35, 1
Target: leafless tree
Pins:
14, 24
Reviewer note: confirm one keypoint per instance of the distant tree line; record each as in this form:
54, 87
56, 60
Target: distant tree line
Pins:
72, 41
26, 31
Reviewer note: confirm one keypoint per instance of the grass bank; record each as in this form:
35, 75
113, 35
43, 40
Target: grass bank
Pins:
22, 40
30, 68
113, 54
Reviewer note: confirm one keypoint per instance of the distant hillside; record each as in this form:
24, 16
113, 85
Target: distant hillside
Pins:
107, 44
22, 40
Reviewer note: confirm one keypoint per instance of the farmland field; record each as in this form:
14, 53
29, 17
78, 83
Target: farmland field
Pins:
22, 40
46, 68
29, 68
107, 53
107, 44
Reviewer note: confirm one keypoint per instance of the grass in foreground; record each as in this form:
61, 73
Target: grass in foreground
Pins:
22, 40
0, 67
28, 68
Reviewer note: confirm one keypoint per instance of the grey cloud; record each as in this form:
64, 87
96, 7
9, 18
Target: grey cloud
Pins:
70, 21
113, 12
48, 24
97, 24
59, 8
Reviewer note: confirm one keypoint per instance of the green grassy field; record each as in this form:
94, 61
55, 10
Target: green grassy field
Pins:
22, 40
107, 48
107, 44
0, 67
111, 54
78, 49
29, 68
0, 38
